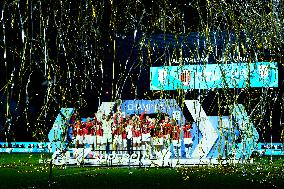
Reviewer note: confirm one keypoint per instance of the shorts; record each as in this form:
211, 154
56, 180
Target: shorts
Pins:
79, 138
124, 143
176, 142
87, 139
117, 139
187, 140
146, 137
93, 138
137, 140
103, 140
108, 136
100, 140
84, 139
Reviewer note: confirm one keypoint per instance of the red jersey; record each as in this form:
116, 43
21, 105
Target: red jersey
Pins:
74, 131
91, 131
88, 125
85, 131
124, 134
175, 132
117, 119
166, 128
145, 129
99, 129
78, 129
159, 131
117, 131
136, 132
80, 132
186, 130
141, 120
151, 128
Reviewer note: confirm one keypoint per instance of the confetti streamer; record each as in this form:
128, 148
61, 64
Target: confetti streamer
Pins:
58, 54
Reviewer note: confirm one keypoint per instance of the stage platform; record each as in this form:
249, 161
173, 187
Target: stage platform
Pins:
131, 161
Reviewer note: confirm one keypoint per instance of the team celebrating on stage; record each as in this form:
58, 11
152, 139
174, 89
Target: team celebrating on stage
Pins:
136, 132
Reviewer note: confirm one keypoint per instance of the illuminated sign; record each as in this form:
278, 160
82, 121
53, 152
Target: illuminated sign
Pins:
167, 106
233, 75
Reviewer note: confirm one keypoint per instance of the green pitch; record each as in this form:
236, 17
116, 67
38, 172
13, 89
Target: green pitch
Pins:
25, 171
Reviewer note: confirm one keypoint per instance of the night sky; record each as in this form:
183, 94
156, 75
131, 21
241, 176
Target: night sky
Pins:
56, 54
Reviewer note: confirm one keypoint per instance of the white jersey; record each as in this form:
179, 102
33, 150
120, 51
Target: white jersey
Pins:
106, 129
129, 131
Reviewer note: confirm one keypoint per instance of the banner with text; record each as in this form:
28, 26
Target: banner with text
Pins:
231, 75
166, 106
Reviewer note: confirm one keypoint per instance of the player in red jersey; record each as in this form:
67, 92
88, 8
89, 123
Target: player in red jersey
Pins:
117, 137
159, 138
136, 136
151, 127
145, 130
99, 135
146, 137
117, 130
124, 137
117, 118
84, 134
187, 138
92, 133
113, 132
88, 138
166, 132
175, 136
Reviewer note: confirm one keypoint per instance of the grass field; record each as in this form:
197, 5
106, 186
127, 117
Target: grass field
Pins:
25, 171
